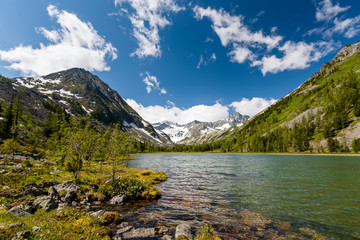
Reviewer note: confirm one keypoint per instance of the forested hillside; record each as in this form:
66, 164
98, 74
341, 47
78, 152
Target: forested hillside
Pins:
322, 115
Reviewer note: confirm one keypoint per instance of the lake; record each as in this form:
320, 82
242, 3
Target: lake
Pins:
319, 192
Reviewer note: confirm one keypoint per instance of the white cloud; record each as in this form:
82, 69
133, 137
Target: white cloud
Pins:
295, 56
253, 106
204, 113
74, 44
349, 26
172, 113
152, 83
205, 62
231, 29
240, 54
148, 19
256, 47
326, 11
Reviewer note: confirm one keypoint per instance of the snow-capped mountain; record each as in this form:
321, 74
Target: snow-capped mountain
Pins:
199, 132
80, 92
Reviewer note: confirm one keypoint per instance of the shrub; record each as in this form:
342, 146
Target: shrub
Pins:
128, 187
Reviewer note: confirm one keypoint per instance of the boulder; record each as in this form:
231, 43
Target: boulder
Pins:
13, 225
68, 186
183, 231
21, 210
117, 200
36, 229
69, 197
22, 235
98, 214
32, 190
140, 233
50, 184
3, 171
53, 193
47, 203
123, 227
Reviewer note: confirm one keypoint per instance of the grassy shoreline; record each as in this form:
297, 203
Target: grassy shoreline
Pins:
73, 221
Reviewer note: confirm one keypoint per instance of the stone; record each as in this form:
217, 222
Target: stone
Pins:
123, 227
53, 193
166, 237
13, 225
3, 207
183, 230
50, 184
17, 170
32, 190
3, 171
21, 210
111, 217
62, 206
22, 235
69, 197
98, 214
117, 200
139, 233
68, 186
161, 230
47, 203
36, 229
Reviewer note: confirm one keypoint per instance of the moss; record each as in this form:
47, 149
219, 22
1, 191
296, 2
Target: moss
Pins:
207, 234
66, 224
111, 217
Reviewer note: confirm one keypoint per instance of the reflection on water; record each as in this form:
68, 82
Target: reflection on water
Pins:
320, 192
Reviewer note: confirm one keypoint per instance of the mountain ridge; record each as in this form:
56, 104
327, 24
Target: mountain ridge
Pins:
196, 132
82, 93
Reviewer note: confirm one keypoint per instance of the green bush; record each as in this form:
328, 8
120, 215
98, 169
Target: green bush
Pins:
128, 187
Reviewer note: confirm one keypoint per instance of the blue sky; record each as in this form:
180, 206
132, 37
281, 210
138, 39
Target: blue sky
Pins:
180, 60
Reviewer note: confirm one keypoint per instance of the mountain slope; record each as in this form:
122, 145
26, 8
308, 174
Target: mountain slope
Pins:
80, 92
197, 132
320, 115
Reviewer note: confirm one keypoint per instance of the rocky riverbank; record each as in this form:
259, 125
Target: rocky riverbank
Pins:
38, 200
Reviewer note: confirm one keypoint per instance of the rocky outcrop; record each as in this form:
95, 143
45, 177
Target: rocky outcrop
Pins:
47, 203
22, 210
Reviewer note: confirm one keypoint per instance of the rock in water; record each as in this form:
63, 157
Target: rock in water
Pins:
140, 233
117, 200
184, 231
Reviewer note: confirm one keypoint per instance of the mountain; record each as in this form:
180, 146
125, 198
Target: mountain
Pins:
321, 115
197, 132
80, 92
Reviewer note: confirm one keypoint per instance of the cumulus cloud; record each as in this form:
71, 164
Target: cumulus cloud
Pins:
231, 29
326, 11
252, 106
295, 56
172, 113
74, 44
149, 17
257, 47
152, 83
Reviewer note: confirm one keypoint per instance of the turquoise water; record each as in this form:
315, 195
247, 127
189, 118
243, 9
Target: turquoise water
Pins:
320, 192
